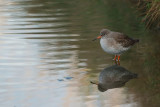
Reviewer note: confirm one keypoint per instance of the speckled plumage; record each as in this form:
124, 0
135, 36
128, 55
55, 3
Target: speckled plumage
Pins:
114, 42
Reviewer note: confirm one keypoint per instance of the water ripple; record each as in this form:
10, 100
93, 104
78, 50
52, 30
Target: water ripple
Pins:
43, 41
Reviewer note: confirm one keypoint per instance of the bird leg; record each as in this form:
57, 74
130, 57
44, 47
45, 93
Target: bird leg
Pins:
117, 62
115, 57
118, 58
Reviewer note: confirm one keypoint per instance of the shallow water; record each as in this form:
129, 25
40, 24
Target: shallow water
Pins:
47, 58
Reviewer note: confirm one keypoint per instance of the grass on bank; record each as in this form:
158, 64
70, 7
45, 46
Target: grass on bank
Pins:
151, 11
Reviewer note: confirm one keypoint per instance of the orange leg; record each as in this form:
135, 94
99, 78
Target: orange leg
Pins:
115, 57
118, 57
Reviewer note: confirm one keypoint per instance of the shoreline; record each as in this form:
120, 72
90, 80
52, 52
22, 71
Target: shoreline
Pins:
149, 12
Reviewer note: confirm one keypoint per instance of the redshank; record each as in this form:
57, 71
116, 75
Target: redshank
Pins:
115, 42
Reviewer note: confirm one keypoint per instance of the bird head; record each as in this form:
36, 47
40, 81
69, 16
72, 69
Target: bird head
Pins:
103, 33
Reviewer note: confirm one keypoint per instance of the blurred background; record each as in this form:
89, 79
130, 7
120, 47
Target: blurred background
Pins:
48, 58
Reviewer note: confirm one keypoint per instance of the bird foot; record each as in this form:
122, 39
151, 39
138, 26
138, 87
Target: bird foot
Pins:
117, 60
114, 59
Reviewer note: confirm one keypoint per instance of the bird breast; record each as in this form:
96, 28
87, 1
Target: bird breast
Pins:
109, 45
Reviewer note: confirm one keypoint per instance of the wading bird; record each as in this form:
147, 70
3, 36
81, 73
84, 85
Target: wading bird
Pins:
115, 42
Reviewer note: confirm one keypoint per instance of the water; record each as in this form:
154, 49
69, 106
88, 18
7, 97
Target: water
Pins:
47, 58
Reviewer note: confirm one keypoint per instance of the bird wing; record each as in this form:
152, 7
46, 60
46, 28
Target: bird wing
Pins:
123, 39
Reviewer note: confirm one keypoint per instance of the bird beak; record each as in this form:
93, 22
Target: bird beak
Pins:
97, 38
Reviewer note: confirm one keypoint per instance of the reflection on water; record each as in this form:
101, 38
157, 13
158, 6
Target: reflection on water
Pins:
114, 77
43, 41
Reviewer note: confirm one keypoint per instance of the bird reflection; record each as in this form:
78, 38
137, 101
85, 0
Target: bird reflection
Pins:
113, 77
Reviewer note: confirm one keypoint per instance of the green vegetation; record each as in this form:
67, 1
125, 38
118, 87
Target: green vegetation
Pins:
150, 11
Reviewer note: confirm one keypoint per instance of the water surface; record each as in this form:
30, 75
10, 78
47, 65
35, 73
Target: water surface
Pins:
47, 58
